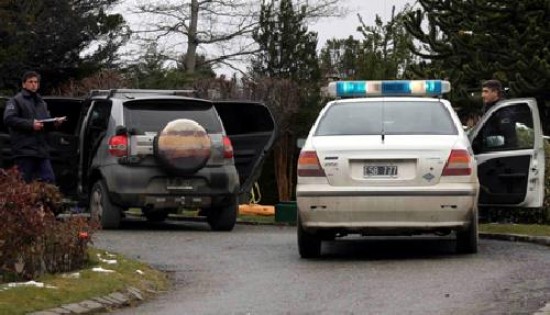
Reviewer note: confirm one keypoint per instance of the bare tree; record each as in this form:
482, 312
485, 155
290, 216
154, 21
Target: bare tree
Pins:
101, 80
221, 29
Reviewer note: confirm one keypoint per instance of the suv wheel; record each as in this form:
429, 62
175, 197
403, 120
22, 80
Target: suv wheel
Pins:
223, 218
102, 210
309, 244
466, 240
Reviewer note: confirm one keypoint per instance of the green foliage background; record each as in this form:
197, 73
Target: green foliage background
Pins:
469, 41
50, 36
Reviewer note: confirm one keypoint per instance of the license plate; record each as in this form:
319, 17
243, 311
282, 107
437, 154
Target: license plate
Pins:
380, 171
179, 184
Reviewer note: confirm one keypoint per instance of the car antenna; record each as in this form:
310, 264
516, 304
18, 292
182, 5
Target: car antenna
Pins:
383, 123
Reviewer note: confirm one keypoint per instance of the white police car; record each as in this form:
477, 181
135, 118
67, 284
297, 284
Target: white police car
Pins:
391, 158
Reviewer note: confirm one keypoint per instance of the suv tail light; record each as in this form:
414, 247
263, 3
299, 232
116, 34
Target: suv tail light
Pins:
458, 164
227, 148
309, 166
118, 146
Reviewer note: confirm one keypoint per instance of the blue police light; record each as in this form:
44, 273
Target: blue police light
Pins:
351, 88
435, 87
388, 88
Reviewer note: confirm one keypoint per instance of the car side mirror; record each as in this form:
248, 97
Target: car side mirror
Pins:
300, 142
494, 141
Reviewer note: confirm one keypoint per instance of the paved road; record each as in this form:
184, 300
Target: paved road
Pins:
257, 270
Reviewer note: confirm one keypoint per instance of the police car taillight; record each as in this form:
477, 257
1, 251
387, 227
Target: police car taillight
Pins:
309, 166
458, 164
345, 89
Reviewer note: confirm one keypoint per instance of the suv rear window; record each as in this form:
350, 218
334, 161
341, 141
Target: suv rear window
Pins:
390, 118
155, 114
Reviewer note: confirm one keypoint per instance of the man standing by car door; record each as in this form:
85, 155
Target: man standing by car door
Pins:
26, 115
491, 93
502, 132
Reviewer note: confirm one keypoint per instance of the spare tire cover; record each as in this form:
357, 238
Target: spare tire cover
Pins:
183, 146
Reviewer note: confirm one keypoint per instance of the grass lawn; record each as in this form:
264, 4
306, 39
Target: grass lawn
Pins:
256, 219
22, 300
524, 229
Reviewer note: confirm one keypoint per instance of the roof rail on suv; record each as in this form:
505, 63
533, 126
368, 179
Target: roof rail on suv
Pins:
94, 93
130, 93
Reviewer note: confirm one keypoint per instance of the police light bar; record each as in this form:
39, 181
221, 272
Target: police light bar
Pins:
348, 89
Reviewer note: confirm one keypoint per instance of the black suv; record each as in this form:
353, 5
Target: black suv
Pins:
156, 150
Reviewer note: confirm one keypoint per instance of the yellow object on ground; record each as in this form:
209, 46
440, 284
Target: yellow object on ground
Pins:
255, 209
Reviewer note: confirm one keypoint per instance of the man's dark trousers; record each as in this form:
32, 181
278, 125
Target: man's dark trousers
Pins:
32, 168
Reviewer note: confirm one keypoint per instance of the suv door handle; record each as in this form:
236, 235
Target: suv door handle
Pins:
63, 141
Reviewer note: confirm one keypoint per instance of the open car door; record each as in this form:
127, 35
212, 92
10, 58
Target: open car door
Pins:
63, 141
252, 131
509, 148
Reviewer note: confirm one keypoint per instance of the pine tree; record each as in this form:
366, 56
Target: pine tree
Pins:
388, 44
288, 54
343, 58
287, 47
50, 36
382, 53
473, 40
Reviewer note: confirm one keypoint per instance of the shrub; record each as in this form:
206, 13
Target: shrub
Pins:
32, 240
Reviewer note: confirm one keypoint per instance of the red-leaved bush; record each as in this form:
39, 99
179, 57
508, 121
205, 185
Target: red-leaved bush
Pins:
32, 240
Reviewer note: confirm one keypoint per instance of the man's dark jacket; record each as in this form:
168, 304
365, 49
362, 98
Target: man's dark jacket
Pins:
19, 116
504, 124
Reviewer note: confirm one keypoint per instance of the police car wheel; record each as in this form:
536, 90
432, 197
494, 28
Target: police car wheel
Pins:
309, 245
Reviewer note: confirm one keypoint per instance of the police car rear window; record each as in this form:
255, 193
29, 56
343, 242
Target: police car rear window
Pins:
389, 117
153, 115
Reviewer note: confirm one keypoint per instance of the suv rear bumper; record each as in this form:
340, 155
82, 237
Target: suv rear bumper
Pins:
151, 187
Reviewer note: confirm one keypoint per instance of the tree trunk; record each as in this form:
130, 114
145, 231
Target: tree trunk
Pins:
192, 40
284, 167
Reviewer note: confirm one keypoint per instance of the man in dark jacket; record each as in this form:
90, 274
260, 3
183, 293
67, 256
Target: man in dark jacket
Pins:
24, 116
503, 124
491, 93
